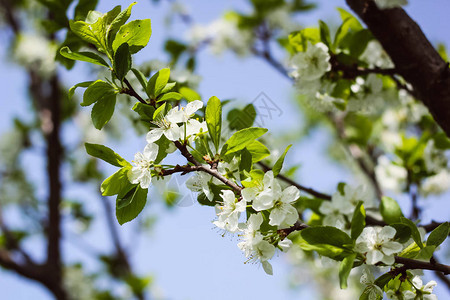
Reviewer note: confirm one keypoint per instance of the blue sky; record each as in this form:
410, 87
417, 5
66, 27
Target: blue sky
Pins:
190, 259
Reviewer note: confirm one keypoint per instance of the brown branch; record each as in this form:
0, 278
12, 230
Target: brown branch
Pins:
237, 189
413, 264
132, 92
414, 57
353, 71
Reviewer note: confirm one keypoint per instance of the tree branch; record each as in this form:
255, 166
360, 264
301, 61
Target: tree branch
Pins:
414, 57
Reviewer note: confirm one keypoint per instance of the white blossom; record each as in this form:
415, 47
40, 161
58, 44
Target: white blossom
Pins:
378, 245
421, 291
387, 4
37, 52
283, 213
367, 94
390, 176
372, 290
251, 235
311, 64
375, 56
183, 114
141, 172
263, 195
193, 128
229, 211
199, 183
335, 210
436, 184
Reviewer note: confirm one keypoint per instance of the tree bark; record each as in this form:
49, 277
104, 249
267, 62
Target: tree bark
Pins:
414, 57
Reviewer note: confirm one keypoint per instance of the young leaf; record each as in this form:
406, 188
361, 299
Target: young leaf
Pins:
438, 235
414, 231
116, 183
213, 116
121, 19
122, 61
344, 269
97, 91
145, 111
157, 82
106, 154
403, 232
279, 163
102, 111
129, 206
240, 119
239, 140
141, 77
257, 150
136, 33
84, 84
172, 96
325, 33
426, 253
90, 57
246, 161
189, 94
358, 220
390, 210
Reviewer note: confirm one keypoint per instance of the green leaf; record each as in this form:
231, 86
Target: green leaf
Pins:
84, 84
102, 111
189, 94
116, 183
122, 61
325, 36
257, 150
279, 163
403, 232
358, 220
213, 116
121, 19
158, 82
246, 161
172, 96
129, 206
327, 240
414, 231
141, 77
240, 119
106, 154
344, 269
145, 111
136, 34
426, 253
359, 42
390, 210
90, 57
169, 86
240, 139
299, 40
438, 235
97, 91
383, 280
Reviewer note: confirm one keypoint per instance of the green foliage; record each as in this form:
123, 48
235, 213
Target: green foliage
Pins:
403, 232
129, 206
257, 150
438, 235
240, 139
213, 117
90, 57
390, 210
358, 220
240, 119
157, 83
189, 94
136, 34
97, 91
84, 84
122, 61
102, 111
299, 39
414, 231
106, 154
116, 183
145, 111
344, 269
279, 163
327, 240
